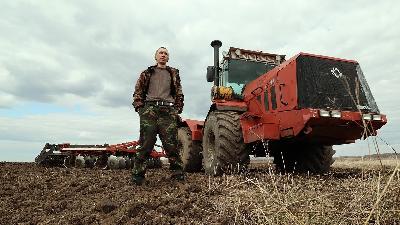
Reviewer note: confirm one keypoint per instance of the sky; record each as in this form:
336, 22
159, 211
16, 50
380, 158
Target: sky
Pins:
68, 68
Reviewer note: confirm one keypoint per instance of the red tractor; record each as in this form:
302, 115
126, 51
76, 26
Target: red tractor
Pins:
293, 110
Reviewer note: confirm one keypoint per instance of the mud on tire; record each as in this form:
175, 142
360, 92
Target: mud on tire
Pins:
224, 150
189, 150
311, 158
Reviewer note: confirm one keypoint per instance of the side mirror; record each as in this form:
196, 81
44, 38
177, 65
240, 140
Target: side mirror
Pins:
210, 73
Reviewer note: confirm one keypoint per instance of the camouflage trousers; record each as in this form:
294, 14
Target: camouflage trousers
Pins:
161, 120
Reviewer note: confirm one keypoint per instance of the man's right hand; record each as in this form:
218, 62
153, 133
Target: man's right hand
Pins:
137, 107
140, 110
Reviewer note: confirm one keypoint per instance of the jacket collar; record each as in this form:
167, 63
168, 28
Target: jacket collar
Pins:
151, 69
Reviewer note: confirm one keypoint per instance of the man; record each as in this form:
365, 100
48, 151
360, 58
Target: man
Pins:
158, 99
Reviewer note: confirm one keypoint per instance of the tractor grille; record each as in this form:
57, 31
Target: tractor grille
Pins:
332, 84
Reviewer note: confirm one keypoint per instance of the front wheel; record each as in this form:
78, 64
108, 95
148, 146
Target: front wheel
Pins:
224, 150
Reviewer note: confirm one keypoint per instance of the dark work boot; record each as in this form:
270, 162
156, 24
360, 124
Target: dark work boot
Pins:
138, 171
176, 167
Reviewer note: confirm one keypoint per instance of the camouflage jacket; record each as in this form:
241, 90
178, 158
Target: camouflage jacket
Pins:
142, 86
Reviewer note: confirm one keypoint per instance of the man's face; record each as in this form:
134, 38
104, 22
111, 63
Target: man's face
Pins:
162, 56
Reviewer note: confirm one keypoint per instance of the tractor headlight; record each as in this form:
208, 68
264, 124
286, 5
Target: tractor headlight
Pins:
376, 117
324, 113
366, 116
336, 114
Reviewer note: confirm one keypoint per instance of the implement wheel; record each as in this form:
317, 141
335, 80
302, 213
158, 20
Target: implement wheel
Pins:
224, 150
189, 150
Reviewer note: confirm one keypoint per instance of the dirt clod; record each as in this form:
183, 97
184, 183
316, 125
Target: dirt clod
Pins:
106, 206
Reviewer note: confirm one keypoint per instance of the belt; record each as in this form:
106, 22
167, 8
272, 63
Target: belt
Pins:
160, 103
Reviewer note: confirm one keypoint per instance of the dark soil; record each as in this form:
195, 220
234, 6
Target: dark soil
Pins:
31, 194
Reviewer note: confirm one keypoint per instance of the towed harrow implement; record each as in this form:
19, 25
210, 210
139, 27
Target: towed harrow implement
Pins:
116, 156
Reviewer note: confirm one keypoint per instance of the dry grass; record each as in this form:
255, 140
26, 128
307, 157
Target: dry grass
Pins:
355, 192
366, 163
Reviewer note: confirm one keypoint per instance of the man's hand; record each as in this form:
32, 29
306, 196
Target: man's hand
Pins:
140, 110
179, 110
137, 107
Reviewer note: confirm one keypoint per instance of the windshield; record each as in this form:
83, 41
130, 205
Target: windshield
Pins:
236, 73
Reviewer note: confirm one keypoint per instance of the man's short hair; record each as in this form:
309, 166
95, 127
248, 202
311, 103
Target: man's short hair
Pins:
155, 54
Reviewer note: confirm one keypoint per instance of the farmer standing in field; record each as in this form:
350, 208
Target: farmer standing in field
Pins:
158, 98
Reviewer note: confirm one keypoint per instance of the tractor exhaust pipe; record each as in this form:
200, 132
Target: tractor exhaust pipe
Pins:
216, 44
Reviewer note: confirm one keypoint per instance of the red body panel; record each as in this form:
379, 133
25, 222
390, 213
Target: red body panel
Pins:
308, 124
286, 120
196, 127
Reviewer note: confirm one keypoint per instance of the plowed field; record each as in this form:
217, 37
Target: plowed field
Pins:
30, 194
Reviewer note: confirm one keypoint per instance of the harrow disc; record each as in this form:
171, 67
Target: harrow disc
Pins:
69, 161
80, 161
128, 162
90, 161
113, 162
121, 162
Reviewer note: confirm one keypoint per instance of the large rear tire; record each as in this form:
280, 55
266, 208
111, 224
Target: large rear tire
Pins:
224, 150
311, 158
189, 150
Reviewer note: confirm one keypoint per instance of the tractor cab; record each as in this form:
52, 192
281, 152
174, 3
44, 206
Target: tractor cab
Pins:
239, 67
